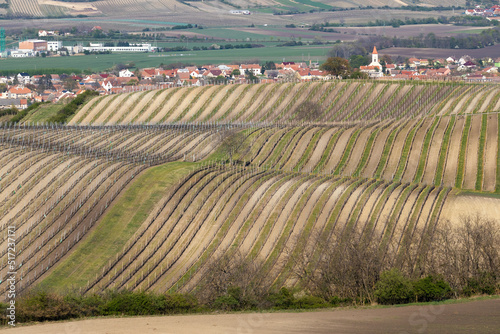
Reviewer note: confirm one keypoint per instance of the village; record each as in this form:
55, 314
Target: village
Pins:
22, 89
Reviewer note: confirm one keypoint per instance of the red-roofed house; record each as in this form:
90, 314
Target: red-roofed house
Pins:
19, 92
254, 68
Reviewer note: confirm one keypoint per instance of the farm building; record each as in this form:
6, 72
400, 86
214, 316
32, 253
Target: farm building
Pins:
35, 45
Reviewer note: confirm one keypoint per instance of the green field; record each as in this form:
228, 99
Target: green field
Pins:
143, 60
118, 225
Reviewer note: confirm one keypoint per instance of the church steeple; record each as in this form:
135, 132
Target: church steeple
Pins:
374, 55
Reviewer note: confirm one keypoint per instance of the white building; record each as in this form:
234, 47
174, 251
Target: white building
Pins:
99, 47
125, 73
374, 69
54, 45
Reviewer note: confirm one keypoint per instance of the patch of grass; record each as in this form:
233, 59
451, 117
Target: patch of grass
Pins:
497, 187
406, 151
43, 113
117, 226
463, 149
423, 156
480, 152
443, 151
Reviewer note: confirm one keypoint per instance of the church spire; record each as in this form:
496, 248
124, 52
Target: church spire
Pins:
375, 50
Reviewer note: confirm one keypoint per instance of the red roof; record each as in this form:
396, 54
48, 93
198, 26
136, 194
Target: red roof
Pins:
19, 90
375, 50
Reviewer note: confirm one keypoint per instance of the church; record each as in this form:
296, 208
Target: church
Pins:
374, 69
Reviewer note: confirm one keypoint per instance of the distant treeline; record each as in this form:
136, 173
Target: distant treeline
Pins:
294, 10
43, 71
474, 21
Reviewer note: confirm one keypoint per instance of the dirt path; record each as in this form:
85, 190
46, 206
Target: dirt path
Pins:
129, 103
416, 150
300, 149
434, 150
480, 316
338, 150
470, 174
395, 153
357, 151
96, 110
82, 111
473, 103
490, 154
320, 148
457, 207
138, 107
155, 104
168, 105
214, 102
487, 101
202, 100
451, 164
114, 107
235, 95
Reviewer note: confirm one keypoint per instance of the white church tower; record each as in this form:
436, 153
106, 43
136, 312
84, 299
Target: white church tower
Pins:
375, 59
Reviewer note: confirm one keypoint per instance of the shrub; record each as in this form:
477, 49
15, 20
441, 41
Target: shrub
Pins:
309, 301
283, 299
134, 303
431, 288
393, 288
484, 284
43, 306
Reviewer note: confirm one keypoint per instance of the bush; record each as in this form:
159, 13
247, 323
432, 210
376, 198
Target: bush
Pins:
134, 303
485, 284
283, 299
43, 306
393, 288
431, 288
309, 301
70, 109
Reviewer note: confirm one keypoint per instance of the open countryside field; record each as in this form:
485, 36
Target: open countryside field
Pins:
265, 171
144, 60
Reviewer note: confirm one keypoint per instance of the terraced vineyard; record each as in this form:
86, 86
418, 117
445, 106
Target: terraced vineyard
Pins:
381, 162
336, 101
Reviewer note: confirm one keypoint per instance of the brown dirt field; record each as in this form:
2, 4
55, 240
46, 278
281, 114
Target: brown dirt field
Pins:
253, 233
434, 150
202, 100
282, 219
184, 103
299, 150
286, 100
112, 108
138, 107
305, 96
357, 151
297, 229
487, 101
457, 206
376, 152
395, 153
490, 154
96, 110
125, 107
355, 101
489, 51
473, 103
366, 212
338, 150
471, 157
82, 111
416, 150
153, 105
473, 316
249, 96
169, 104
235, 95
341, 101
261, 114
451, 164
320, 148
222, 91
497, 106
386, 211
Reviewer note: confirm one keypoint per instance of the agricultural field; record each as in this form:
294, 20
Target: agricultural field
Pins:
148, 191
